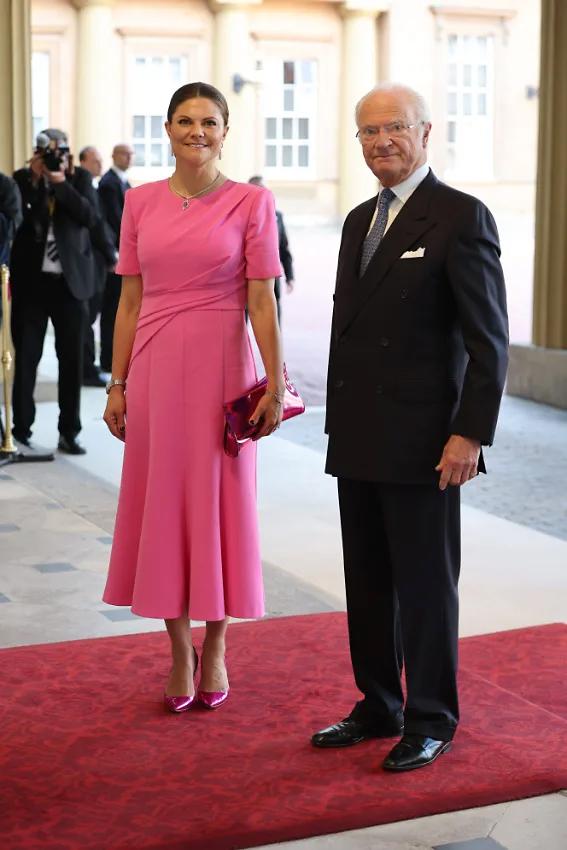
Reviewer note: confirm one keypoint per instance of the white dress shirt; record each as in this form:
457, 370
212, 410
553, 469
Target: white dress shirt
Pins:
51, 264
119, 173
402, 191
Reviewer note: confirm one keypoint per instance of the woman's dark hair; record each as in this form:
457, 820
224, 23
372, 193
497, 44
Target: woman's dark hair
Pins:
190, 90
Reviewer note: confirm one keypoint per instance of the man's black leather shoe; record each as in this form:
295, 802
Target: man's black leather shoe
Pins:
350, 731
415, 751
70, 446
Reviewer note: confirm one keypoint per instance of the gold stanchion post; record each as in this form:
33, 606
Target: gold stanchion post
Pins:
7, 443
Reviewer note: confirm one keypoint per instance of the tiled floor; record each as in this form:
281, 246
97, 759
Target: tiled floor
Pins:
473, 844
531, 492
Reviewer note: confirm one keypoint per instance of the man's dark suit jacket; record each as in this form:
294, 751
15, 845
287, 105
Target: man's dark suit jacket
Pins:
111, 191
285, 254
10, 215
74, 215
419, 346
103, 246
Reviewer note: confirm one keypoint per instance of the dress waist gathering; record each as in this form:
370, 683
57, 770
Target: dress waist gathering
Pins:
160, 307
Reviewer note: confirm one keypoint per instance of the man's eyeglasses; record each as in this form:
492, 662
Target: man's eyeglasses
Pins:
393, 130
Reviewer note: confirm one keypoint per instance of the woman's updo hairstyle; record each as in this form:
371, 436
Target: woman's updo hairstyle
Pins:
191, 90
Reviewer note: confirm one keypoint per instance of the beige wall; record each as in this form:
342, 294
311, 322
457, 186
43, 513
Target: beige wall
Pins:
277, 33
410, 44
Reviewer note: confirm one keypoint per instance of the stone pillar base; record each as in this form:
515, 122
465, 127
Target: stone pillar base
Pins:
539, 374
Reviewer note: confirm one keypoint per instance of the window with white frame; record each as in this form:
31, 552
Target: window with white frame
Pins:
469, 107
40, 90
151, 81
289, 107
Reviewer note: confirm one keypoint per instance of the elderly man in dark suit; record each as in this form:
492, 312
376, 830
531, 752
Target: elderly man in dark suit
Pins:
52, 278
111, 190
417, 366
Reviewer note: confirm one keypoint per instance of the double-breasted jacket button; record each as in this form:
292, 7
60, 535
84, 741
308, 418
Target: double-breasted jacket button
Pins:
339, 383
404, 294
384, 341
379, 389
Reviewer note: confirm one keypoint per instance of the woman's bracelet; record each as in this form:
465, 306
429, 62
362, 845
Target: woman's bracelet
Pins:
277, 396
115, 382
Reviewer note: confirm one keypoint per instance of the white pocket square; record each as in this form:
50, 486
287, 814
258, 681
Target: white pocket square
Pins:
413, 255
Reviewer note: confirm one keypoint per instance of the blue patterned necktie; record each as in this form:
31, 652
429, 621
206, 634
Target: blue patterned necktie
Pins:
377, 231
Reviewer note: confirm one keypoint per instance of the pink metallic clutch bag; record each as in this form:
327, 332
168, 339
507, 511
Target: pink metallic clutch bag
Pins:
237, 413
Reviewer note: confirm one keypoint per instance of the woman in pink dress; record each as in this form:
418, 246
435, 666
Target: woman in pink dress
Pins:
195, 250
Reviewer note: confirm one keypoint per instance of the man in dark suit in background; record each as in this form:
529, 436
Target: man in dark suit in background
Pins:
52, 278
417, 366
285, 254
10, 216
105, 256
111, 190
10, 220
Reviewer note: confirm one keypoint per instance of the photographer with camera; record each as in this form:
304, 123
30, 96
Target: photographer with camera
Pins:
52, 273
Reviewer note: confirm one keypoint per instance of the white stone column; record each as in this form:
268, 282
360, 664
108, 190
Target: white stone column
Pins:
15, 91
233, 54
98, 78
359, 75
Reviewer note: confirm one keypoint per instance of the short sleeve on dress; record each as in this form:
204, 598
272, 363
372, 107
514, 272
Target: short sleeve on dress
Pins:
261, 245
128, 250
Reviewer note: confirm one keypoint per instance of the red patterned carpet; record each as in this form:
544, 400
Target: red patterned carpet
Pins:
90, 761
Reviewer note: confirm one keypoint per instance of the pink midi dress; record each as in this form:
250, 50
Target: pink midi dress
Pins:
186, 535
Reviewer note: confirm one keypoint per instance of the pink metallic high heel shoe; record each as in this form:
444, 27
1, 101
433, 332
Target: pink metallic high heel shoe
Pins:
180, 704
212, 699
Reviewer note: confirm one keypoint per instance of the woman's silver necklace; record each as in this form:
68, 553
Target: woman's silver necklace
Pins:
188, 198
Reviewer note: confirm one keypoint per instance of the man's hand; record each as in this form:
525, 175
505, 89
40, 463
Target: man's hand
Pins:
459, 461
37, 167
290, 284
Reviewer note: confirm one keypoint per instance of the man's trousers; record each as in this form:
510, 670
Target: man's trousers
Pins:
401, 545
47, 297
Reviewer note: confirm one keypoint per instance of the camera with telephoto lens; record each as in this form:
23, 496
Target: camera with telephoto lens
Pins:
52, 151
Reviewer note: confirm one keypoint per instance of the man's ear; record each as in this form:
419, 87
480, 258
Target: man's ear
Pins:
426, 132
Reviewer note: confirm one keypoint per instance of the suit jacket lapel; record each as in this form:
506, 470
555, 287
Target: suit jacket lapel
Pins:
412, 221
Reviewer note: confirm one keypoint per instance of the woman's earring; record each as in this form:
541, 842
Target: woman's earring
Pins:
220, 152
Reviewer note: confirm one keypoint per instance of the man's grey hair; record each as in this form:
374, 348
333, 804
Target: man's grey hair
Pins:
417, 100
55, 135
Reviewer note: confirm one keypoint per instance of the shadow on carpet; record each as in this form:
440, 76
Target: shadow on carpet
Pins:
90, 760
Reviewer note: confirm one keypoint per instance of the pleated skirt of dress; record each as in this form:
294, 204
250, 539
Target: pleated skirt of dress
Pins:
186, 536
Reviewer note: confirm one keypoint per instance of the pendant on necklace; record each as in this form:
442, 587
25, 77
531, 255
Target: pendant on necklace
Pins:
185, 204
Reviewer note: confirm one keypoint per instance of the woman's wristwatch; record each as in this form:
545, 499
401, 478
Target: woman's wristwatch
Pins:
115, 382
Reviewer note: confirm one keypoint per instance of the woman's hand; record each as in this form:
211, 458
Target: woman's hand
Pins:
268, 415
115, 413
